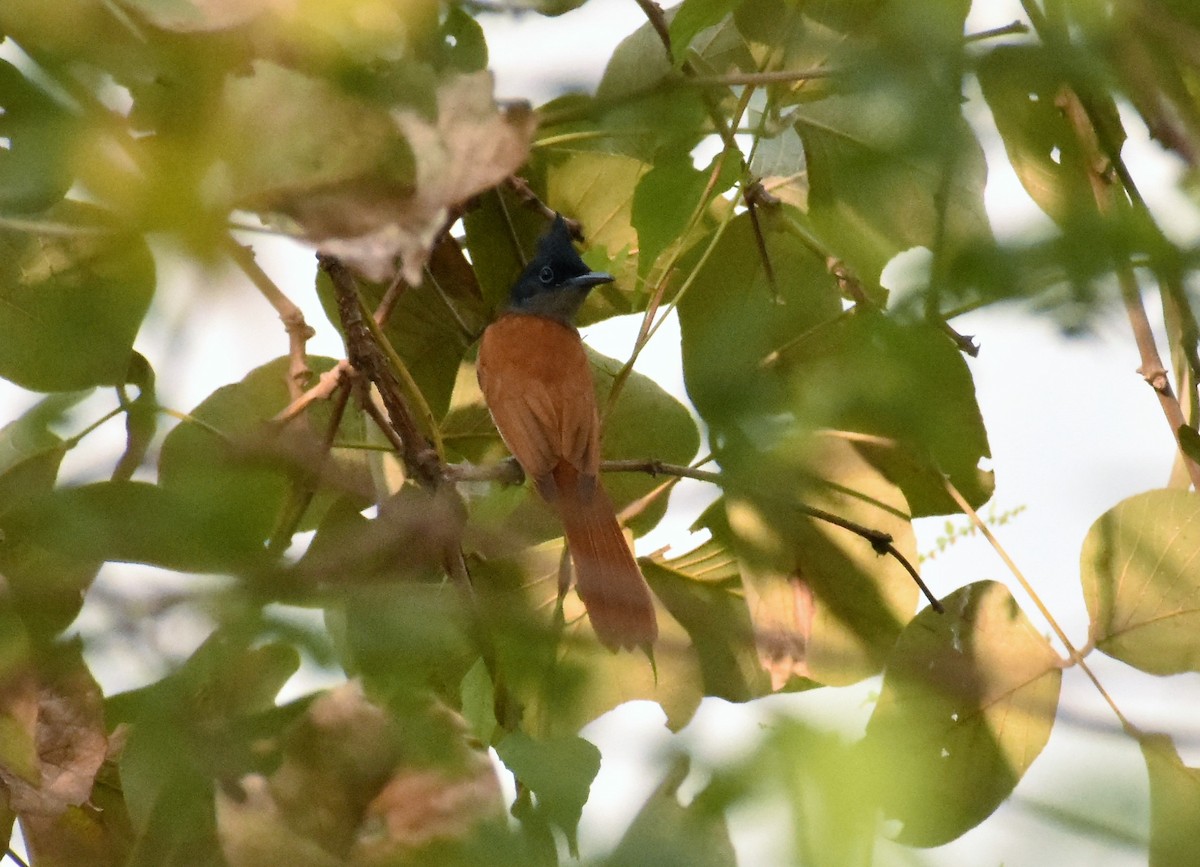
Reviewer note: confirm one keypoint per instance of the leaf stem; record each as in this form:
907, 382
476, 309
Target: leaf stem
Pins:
73, 441
1072, 651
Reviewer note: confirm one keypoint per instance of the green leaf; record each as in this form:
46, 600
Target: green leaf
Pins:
236, 469
733, 319
691, 17
35, 163
906, 383
19, 760
826, 607
333, 136
701, 590
597, 189
968, 701
1142, 591
887, 173
30, 453
47, 582
823, 781
1022, 85
1174, 804
554, 7
499, 233
47, 585
464, 46
131, 522
636, 111
478, 702
779, 161
1189, 441
409, 638
672, 437
189, 729
558, 771
667, 196
72, 302
667, 834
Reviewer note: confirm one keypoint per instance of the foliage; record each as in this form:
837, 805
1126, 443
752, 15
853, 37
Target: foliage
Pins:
835, 139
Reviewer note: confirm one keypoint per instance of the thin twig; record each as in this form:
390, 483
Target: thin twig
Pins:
526, 196
52, 228
964, 342
752, 198
777, 76
627, 368
1101, 172
659, 468
654, 14
390, 296
304, 484
327, 385
371, 408
506, 472
1072, 651
882, 542
1014, 29
298, 330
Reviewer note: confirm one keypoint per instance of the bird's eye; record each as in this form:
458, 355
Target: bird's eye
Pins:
546, 275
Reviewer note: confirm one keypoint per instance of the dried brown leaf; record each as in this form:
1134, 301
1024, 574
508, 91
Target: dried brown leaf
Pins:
18, 724
783, 612
97, 833
420, 806
254, 832
71, 743
472, 146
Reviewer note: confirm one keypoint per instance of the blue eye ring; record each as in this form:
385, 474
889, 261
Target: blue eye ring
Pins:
546, 275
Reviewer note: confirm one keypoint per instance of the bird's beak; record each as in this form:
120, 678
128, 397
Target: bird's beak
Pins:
590, 279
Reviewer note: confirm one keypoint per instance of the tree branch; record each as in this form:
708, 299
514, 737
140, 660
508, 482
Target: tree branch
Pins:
368, 358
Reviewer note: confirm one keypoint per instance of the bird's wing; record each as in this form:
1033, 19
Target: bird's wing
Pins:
537, 384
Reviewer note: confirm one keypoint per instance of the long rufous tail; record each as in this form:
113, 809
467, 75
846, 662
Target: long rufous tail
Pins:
607, 577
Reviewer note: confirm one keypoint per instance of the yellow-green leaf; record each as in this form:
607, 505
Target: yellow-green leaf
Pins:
968, 701
1141, 582
1174, 804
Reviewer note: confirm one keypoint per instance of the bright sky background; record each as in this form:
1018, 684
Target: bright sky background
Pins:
1073, 431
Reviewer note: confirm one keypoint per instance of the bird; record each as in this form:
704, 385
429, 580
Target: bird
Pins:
537, 384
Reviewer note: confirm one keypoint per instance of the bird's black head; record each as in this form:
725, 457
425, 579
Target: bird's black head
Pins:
556, 280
